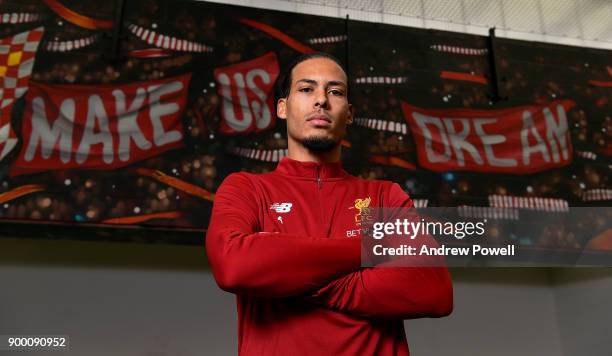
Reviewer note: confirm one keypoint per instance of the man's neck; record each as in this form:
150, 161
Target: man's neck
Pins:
297, 151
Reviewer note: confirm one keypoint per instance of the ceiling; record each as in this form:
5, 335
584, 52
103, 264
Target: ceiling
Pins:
584, 23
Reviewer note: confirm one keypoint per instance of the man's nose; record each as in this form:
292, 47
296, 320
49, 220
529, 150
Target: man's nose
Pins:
321, 99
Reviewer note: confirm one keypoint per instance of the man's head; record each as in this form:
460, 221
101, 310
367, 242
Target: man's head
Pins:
314, 101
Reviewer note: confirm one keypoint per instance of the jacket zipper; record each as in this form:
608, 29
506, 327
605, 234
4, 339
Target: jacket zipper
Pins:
321, 218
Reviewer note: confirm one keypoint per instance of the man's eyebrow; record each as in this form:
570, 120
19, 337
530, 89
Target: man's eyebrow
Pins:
314, 82
307, 81
336, 82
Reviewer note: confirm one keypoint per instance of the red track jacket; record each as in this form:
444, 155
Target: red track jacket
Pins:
284, 243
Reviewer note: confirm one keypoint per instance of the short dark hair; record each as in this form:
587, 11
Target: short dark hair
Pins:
284, 82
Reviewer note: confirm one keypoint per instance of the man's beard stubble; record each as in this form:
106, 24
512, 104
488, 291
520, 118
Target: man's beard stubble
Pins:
319, 144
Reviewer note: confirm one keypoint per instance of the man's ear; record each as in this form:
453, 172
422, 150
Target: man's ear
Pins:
281, 108
351, 114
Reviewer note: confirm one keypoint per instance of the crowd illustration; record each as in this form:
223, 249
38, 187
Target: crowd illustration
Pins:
208, 156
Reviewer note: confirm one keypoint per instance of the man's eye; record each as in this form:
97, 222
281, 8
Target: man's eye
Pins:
305, 90
337, 92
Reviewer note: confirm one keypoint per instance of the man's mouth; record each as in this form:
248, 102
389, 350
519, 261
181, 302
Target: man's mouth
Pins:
319, 120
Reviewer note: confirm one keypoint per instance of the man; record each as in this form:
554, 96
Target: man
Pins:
287, 243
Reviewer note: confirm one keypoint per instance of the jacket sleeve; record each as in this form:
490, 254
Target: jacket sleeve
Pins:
246, 261
388, 291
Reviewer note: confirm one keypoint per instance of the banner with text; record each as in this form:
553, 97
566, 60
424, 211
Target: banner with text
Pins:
247, 92
522, 139
100, 127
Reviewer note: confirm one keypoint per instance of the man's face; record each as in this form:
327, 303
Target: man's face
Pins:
317, 107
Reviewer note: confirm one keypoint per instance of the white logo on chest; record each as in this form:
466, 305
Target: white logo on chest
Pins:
281, 207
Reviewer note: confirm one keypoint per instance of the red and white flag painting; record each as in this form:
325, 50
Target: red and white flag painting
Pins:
17, 54
520, 140
100, 126
247, 94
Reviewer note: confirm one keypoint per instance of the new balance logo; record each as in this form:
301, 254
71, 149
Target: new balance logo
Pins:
281, 207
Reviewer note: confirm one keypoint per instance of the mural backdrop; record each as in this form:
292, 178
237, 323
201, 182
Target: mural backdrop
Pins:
144, 132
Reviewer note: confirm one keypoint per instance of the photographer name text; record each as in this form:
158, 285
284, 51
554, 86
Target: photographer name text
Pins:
443, 250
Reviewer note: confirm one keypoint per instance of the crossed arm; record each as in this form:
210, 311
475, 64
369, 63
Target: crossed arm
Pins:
245, 261
325, 271
391, 290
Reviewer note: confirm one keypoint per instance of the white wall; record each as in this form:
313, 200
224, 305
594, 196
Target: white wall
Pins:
119, 312
157, 300
584, 309
498, 312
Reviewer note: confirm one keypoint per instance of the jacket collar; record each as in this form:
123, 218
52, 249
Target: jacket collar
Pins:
311, 170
